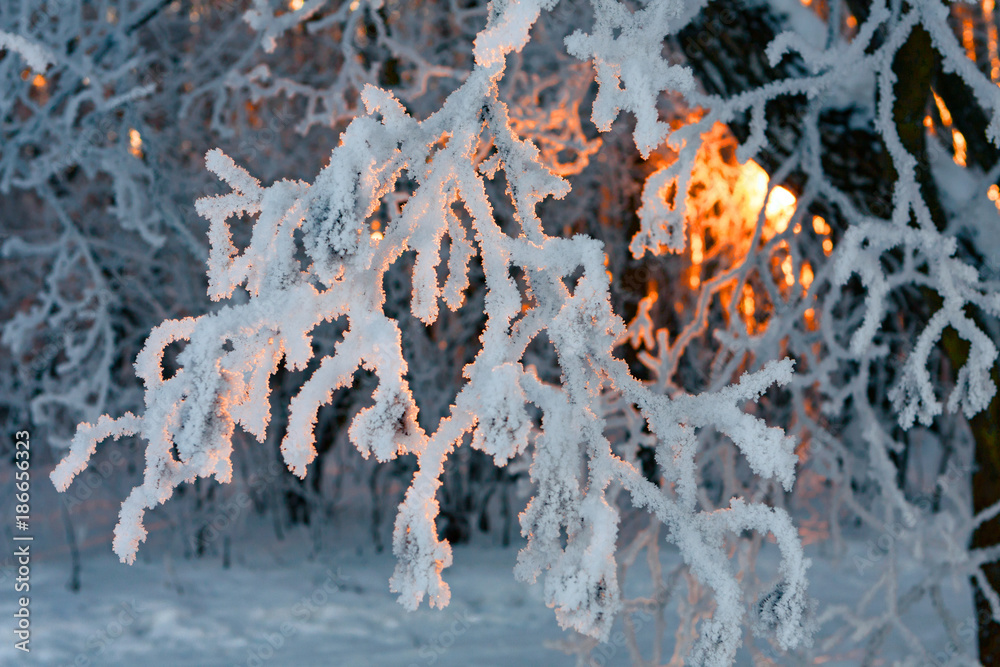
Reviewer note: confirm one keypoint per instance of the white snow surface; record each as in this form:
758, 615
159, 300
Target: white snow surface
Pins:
276, 606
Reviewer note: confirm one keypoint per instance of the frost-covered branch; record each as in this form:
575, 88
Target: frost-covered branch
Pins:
316, 255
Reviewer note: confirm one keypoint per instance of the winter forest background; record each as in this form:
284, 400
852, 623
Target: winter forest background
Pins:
652, 332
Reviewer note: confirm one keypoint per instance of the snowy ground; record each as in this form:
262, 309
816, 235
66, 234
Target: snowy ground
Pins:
276, 607
290, 611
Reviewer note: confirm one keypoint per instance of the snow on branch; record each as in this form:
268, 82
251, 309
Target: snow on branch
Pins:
314, 257
37, 56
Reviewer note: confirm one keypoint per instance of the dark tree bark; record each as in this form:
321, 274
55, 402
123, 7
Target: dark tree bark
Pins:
725, 46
